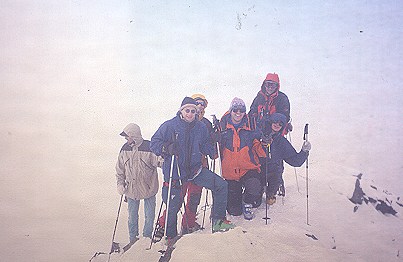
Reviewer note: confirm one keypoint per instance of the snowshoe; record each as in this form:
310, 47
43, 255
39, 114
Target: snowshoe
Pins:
247, 211
234, 210
271, 200
222, 225
115, 248
281, 190
189, 230
131, 243
170, 244
159, 233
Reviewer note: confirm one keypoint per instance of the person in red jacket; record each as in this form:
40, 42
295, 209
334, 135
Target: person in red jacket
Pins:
269, 100
240, 151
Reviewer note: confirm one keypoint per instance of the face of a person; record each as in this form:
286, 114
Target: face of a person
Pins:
276, 127
237, 114
201, 105
188, 113
129, 140
270, 86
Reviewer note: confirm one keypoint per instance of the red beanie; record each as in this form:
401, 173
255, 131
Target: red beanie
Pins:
273, 77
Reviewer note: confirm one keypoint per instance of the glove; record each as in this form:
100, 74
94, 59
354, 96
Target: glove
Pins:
122, 189
306, 146
216, 137
266, 139
169, 149
289, 127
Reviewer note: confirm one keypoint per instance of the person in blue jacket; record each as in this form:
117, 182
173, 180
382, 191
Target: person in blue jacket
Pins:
187, 139
280, 150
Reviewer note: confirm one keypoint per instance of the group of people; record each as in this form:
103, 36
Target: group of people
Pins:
251, 147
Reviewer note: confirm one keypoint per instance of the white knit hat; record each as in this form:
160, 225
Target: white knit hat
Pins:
237, 103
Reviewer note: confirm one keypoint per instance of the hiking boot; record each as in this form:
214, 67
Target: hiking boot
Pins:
171, 241
234, 210
281, 190
159, 233
189, 230
247, 211
222, 225
271, 200
130, 244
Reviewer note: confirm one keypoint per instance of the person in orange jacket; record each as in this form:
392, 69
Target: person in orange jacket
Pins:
240, 151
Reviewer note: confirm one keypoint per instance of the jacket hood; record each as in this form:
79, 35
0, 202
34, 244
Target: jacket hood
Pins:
273, 77
133, 131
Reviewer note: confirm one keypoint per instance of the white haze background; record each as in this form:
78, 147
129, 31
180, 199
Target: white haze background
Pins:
74, 73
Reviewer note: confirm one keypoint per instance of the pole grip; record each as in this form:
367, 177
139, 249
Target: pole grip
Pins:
306, 132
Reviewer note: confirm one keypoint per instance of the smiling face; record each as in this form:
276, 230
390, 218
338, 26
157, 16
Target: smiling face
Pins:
237, 114
276, 127
188, 113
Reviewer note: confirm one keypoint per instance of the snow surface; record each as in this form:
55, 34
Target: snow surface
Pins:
335, 232
74, 73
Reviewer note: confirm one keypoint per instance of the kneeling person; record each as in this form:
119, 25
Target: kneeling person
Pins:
240, 152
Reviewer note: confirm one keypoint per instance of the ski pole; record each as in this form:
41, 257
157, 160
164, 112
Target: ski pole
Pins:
206, 202
205, 207
175, 137
306, 165
183, 188
217, 129
295, 169
266, 183
169, 194
114, 230
155, 227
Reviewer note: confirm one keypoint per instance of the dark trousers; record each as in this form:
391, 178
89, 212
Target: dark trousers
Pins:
248, 190
206, 179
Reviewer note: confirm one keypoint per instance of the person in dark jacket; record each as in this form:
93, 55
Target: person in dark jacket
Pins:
186, 140
269, 100
280, 149
240, 150
194, 191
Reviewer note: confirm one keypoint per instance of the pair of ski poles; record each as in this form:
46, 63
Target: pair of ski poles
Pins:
169, 197
305, 138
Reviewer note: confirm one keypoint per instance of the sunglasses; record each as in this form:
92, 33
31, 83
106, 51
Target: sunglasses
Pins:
241, 110
270, 84
278, 123
200, 103
190, 111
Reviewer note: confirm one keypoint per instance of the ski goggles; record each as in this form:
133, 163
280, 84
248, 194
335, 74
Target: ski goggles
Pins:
201, 102
239, 109
270, 84
193, 111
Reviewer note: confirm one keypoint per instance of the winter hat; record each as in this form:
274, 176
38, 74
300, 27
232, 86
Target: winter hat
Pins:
277, 117
188, 101
200, 97
237, 103
273, 77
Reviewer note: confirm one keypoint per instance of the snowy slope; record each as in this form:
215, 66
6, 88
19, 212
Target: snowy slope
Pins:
335, 232
74, 73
